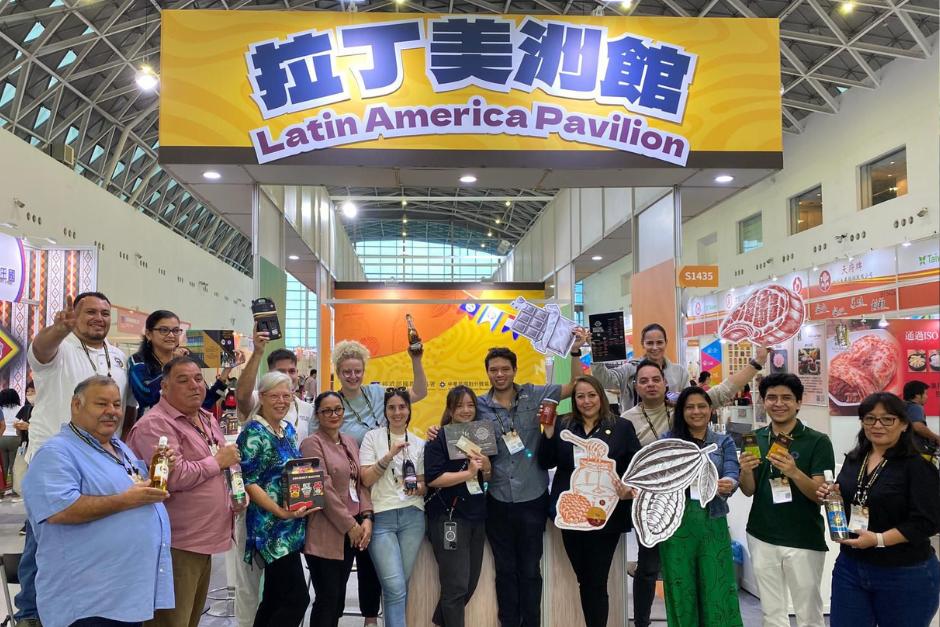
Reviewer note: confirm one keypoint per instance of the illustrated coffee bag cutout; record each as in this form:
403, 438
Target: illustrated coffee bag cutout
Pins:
660, 472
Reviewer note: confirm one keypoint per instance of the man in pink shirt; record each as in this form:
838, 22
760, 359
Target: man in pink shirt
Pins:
199, 506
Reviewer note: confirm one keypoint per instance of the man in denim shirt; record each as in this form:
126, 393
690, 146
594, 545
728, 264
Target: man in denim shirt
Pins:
517, 506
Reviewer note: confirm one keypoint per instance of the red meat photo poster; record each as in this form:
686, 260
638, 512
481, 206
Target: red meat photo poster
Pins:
864, 359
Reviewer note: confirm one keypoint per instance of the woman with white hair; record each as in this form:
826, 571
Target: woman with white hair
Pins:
364, 406
275, 535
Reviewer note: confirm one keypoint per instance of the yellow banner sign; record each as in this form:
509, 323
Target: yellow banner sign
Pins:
285, 84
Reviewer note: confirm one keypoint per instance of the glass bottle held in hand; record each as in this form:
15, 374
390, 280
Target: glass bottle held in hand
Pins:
236, 485
160, 465
413, 337
409, 475
835, 511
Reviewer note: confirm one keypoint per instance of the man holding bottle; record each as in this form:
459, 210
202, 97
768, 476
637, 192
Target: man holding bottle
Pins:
200, 508
785, 530
88, 497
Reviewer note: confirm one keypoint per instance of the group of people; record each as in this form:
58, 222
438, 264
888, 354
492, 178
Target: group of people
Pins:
104, 548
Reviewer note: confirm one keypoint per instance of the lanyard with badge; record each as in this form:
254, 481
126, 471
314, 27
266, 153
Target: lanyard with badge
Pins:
404, 453
511, 437
94, 366
650, 422
780, 489
353, 473
125, 463
205, 432
859, 519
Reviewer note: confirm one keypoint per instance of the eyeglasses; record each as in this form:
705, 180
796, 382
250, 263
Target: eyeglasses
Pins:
278, 397
164, 331
351, 373
336, 411
394, 390
888, 421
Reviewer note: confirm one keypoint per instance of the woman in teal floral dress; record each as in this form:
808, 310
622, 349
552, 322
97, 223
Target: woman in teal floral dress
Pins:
275, 535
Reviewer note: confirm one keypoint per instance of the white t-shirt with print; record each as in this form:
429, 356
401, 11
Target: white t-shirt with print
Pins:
388, 492
56, 381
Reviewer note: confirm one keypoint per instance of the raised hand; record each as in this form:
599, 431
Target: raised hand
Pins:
67, 318
260, 339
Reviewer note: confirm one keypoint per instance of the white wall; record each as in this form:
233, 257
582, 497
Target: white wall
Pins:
64, 200
901, 112
604, 290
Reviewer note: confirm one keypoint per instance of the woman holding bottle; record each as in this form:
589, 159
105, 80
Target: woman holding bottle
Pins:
698, 572
345, 524
457, 500
887, 573
392, 461
275, 535
591, 422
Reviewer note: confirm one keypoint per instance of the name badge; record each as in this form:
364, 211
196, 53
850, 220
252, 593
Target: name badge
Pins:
859, 520
214, 449
513, 442
473, 487
780, 490
353, 491
694, 493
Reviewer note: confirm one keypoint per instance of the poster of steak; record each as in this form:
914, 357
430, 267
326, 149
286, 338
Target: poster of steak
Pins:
879, 359
770, 315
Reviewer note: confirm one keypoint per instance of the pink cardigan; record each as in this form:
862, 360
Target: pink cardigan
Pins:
326, 530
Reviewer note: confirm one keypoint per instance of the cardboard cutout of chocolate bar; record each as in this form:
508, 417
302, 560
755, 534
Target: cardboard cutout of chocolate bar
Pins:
548, 330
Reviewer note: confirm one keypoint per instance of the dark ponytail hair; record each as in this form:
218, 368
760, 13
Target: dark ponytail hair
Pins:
146, 346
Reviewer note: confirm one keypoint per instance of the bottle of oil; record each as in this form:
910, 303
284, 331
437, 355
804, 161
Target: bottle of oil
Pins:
236, 485
835, 511
160, 465
413, 337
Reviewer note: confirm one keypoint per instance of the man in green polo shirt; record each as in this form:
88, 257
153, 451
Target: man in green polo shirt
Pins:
785, 530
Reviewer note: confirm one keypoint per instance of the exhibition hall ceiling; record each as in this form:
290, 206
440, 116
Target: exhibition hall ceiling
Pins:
70, 70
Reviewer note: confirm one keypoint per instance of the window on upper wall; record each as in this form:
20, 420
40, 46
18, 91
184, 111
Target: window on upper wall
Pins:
806, 210
884, 178
750, 233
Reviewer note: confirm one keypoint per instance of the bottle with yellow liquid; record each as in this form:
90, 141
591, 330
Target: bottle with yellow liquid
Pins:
413, 337
160, 465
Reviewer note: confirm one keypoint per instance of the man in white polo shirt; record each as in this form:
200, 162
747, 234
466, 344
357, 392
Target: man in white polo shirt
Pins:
61, 356
248, 576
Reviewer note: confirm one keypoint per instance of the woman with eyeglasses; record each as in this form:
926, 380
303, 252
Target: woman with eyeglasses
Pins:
344, 527
364, 411
392, 461
458, 503
145, 369
887, 573
275, 535
697, 564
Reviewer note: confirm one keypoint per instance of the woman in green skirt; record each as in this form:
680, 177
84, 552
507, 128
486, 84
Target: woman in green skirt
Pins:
698, 572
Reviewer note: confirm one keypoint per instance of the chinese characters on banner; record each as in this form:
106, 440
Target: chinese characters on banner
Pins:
881, 359
12, 269
635, 74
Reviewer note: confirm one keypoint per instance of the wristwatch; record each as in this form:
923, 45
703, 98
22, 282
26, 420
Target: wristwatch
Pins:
881, 540
576, 353
366, 516
756, 365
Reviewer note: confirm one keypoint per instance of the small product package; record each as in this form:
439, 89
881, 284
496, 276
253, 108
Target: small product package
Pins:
302, 484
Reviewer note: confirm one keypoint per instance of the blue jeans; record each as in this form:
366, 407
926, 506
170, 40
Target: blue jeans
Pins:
396, 538
902, 596
25, 600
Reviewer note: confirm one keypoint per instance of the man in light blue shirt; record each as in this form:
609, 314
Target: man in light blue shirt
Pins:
103, 533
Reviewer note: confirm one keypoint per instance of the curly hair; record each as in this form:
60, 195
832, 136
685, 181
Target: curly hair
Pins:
349, 349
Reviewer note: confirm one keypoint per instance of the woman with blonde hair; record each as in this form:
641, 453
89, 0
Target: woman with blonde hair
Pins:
364, 409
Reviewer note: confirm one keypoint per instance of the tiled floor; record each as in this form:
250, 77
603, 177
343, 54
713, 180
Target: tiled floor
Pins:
12, 515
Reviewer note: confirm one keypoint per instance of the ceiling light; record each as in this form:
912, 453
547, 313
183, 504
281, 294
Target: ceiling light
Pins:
508, 203
773, 278
891, 163
468, 178
883, 322
404, 203
815, 268
211, 175
851, 258
482, 245
350, 209
498, 220
146, 78
596, 258
905, 244
846, 7
625, 5
404, 233
50, 240
293, 257
404, 219
724, 178
489, 233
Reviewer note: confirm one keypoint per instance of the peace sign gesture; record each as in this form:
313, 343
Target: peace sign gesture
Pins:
67, 318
